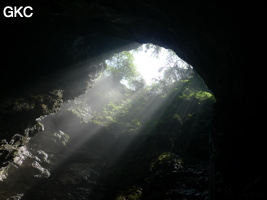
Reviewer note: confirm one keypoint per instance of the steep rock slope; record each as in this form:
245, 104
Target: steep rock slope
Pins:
44, 58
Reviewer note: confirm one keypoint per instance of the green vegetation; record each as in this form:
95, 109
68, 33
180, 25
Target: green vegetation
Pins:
122, 69
163, 124
145, 141
124, 97
132, 193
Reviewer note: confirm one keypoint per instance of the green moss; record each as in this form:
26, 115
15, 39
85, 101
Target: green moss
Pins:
201, 95
166, 158
133, 193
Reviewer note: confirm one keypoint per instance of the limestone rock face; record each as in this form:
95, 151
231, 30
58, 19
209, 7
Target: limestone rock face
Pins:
51, 57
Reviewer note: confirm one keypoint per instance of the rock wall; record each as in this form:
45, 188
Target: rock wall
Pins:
46, 59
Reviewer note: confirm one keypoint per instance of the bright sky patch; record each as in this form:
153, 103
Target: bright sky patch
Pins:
148, 65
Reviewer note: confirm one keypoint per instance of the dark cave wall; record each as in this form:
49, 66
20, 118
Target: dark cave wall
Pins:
49, 52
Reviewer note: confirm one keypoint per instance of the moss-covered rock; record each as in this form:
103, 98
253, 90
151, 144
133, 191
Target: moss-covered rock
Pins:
221, 41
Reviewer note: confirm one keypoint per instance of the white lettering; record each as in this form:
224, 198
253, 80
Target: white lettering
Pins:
17, 11
8, 13
21, 11
24, 11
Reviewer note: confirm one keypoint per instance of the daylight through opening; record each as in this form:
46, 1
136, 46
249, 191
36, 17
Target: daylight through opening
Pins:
147, 116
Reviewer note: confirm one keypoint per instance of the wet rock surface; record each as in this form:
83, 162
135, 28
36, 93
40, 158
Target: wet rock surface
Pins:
54, 166
172, 179
79, 161
70, 181
221, 41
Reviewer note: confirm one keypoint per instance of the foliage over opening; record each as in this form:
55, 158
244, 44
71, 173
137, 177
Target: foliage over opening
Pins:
124, 103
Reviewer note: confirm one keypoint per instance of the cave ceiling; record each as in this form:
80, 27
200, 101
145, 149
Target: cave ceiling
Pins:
200, 33
48, 52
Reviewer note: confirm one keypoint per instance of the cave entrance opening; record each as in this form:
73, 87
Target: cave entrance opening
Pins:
132, 126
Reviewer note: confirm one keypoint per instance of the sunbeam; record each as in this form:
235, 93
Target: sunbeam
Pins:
146, 103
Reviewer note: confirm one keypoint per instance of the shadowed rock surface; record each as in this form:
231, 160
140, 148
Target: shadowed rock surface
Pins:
47, 59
